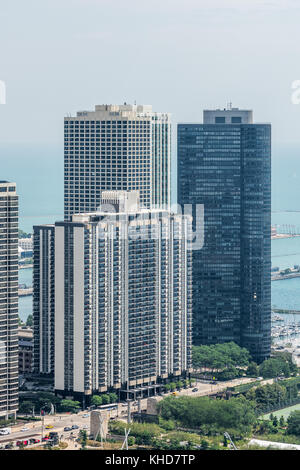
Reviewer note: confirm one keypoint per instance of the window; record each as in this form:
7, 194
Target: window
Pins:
220, 120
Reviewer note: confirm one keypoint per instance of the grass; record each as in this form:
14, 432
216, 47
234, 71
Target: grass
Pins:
279, 437
285, 412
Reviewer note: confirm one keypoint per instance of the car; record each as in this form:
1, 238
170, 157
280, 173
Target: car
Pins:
49, 426
67, 428
86, 415
18, 443
34, 441
195, 389
9, 445
75, 426
24, 429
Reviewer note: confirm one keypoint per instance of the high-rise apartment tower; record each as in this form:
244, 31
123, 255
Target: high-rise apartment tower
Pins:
116, 147
122, 298
9, 359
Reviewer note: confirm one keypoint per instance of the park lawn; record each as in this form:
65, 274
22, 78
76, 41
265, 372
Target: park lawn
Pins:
285, 412
281, 436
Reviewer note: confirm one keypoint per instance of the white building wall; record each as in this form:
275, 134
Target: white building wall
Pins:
59, 357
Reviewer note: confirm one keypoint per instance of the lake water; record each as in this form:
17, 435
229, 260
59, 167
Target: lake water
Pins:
38, 172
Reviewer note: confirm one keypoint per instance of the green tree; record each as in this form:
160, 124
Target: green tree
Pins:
267, 395
105, 399
220, 356
204, 445
275, 421
113, 397
276, 366
96, 400
83, 438
193, 412
172, 386
186, 383
29, 321
253, 369
293, 423
131, 440
179, 384
70, 405
168, 425
26, 407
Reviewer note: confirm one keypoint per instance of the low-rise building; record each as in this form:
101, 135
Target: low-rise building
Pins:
25, 337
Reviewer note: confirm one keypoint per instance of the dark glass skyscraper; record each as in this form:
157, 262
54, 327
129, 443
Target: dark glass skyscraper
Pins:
225, 164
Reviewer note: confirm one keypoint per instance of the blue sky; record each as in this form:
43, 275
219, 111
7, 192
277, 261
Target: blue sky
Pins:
61, 56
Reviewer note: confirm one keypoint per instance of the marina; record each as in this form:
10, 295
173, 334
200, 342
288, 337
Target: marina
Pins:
285, 330
25, 291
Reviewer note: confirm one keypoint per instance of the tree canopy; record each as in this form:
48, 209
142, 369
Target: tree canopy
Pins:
220, 356
193, 412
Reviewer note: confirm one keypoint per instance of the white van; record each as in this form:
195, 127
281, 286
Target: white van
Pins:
5, 431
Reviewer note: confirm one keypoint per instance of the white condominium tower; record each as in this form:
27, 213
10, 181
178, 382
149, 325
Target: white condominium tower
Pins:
9, 377
116, 147
122, 299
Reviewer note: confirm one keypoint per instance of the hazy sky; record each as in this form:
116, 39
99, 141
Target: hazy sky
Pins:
180, 56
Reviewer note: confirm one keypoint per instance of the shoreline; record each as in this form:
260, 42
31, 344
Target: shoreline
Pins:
283, 236
25, 266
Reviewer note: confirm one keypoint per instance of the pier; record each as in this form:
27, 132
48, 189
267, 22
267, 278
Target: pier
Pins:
280, 310
285, 231
24, 292
288, 273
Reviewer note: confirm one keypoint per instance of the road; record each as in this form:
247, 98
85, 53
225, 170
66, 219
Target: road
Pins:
35, 429
60, 421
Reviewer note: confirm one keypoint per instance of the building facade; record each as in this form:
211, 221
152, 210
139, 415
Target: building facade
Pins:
122, 298
25, 337
225, 164
9, 377
43, 298
116, 147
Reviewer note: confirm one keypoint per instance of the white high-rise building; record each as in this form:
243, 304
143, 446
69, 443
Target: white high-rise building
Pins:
116, 147
9, 375
122, 298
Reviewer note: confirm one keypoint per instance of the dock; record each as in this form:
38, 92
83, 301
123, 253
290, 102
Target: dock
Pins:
24, 292
280, 310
